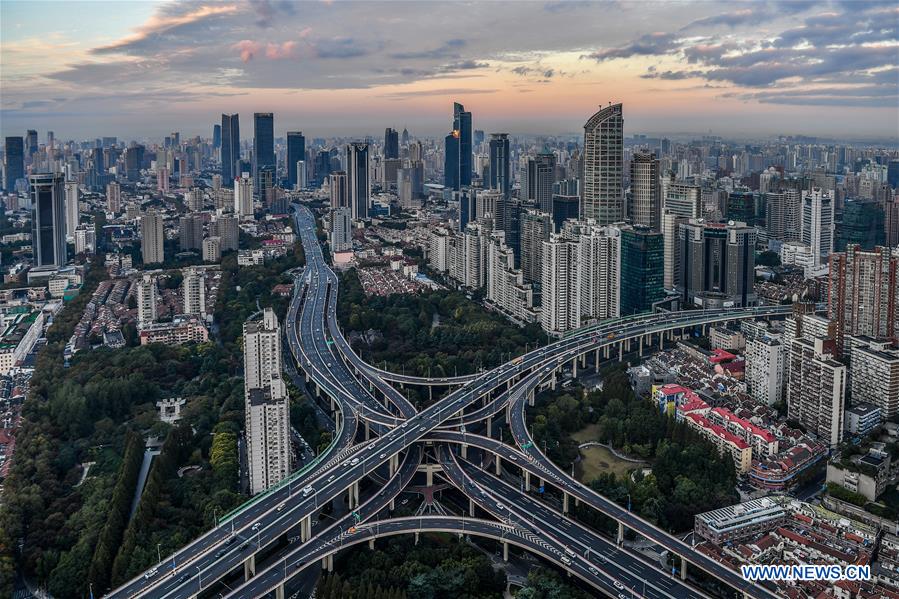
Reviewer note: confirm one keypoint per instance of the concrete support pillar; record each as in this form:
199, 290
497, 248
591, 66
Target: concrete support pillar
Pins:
605, 352
505, 551
333, 406
465, 451
394, 463
330, 563
552, 380
249, 567
417, 534
490, 426
564, 502
527, 481
353, 491
279, 591
621, 351
367, 431
574, 367
392, 505
498, 461
305, 529
620, 533
683, 568
429, 477
508, 384
371, 544
471, 507
596, 359
577, 502
318, 390
430, 392
583, 359
531, 396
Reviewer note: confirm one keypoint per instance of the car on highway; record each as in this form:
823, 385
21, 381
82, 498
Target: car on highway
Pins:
353, 462
280, 506
618, 585
150, 574
382, 456
500, 506
594, 571
256, 526
330, 479
184, 577
220, 553
566, 560
307, 490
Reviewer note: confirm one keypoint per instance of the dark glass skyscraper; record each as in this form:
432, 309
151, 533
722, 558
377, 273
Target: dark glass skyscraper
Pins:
391, 143
230, 147
500, 166
263, 143
134, 159
862, 225
296, 151
216, 136
14, 162
31, 142
48, 219
451, 161
457, 163
358, 183
642, 269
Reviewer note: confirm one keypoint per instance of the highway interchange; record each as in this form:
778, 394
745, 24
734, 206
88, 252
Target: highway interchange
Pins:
380, 435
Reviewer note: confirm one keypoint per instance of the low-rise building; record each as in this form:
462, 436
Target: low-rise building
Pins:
866, 475
740, 521
178, 332
862, 418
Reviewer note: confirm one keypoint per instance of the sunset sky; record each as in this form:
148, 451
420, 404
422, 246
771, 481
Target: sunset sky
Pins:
141, 69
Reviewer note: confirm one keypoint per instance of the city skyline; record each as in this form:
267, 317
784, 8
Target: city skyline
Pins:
794, 68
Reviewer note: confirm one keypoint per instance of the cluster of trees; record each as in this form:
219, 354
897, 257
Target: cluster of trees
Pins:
688, 474
441, 333
333, 586
439, 566
547, 584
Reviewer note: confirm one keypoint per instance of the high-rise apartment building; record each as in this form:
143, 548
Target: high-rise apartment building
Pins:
602, 198
296, 152
716, 264
267, 404
13, 163
190, 232
544, 176
536, 227
766, 359
645, 206
864, 293
243, 197
874, 374
146, 300
152, 242
816, 392
339, 193
193, 290
48, 221
560, 310
506, 288
358, 179
784, 214
228, 230
263, 145
599, 271
817, 223
113, 197
230, 148
31, 146
500, 173
73, 210
341, 230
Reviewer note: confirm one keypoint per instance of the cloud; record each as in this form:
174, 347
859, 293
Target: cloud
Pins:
449, 92
646, 45
449, 49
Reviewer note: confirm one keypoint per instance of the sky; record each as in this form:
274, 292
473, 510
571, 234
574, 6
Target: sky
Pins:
331, 68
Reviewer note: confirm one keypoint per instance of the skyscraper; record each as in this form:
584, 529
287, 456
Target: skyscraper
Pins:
230, 148
267, 404
863, 224
358, 180
146, 300
190, 232
152, 235
48, 221
243, 197
645, 207
602, 198
599, 271
134, 158
783, 214
684, 200
451, 161
216, 136
457, 162
560, 311
544, 177
341, 230
863, 293
642, 269
114, 197
31, 143
500, 165
391, 143
339, 192
263, 144
536, 227
716, 264
816, 392
13, 163
73, 212
193, 289
817, 223
296, 151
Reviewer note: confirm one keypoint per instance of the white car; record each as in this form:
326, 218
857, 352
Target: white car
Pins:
354, 462
257, 525
307, 491
382, 456
150, 574
618, 585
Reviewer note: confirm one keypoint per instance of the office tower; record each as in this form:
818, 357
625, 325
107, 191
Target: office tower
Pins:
85, 239
152, 244
891, 221
114, 197
683, 199
48, 221
263, 144
784, 215
765, 366
13, 163
599, 271
544, 177
645, 207
817, 223
358, 179
217, 136
193, 290
243, 197
500, 163
31, 146
863, 224
893, 174
267, 404
864, 293
190, 232
405, 137
716, 264
478, 137
874, 374
468, 207
300, 175
602, 199
816, 392
560, 310
527, 179
536, 227
507, 218
458, 150
741, 205
642, 269
391, 143
565, 207
339, 191
670, 226
341, 230
146, 300
266, 187
134, 159
230, 147
212, 249
296, 152
73, 211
